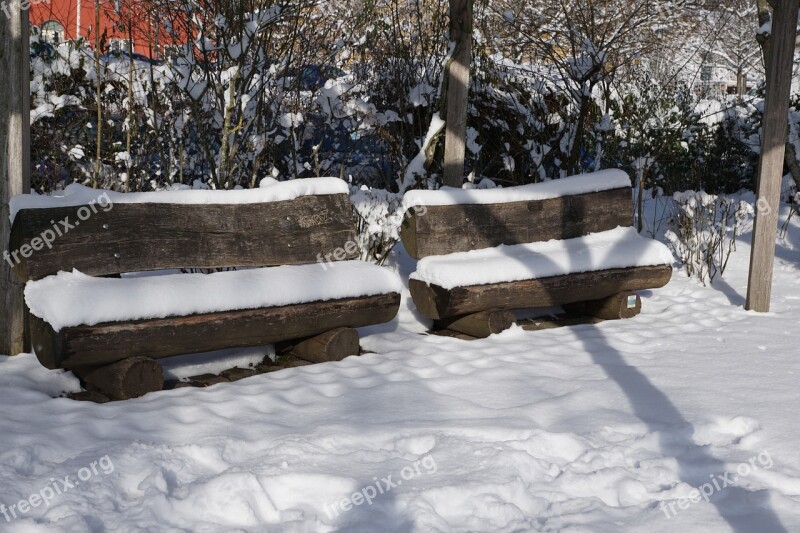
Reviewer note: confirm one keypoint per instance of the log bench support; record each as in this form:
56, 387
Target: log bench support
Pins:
619, 306
479, 325
123, 380
333, 345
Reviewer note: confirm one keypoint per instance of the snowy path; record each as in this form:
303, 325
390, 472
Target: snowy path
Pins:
588, 428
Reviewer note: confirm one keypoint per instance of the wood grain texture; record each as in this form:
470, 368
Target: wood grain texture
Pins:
165, 337
130, 378
47, 344
14, 163
436, 302
773, 146
543, 323
139, 237
479, 325
332, 345
460, 228
614, 307
461, 22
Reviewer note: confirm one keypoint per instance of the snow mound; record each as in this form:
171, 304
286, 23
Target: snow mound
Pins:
72, 298
617, 248
603, 180
76, 194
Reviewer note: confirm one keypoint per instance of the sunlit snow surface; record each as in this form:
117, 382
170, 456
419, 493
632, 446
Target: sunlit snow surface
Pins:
586, 428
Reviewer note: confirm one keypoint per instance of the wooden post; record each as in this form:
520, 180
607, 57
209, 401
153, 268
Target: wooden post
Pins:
773, 146
98, 166
461, 14
14, 163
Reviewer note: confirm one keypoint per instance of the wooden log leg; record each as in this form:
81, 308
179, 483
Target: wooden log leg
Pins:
479, 325
129, 378
622, 305
47, 344
333, 345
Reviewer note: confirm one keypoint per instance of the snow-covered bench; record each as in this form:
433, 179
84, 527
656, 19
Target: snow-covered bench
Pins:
566, 242
296, 238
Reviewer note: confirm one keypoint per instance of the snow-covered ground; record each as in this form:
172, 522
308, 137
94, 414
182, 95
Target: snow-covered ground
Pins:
620, 426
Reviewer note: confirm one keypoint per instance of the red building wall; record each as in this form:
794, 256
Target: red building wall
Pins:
118, 21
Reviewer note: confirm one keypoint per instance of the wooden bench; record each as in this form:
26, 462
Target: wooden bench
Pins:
300, 286
568, 242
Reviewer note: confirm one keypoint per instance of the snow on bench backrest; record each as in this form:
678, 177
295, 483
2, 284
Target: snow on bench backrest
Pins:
102, 232
457, 220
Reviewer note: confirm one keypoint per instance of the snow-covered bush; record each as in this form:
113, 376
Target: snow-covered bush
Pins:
353, 89
380, 215
704, 229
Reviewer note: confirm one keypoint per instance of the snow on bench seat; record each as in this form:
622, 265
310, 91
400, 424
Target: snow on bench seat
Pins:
604, 180
270, 191
70, 299
617, 248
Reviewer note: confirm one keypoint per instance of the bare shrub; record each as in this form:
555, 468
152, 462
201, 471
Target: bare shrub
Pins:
704, 229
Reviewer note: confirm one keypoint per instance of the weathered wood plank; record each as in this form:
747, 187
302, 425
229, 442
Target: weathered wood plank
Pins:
617, 307
332, 345
471, 227
438, 303
479, 325
138, 237
14, 162
123, 380
164, 337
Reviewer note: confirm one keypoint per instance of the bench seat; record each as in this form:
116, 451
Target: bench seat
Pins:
81, 320
539, 274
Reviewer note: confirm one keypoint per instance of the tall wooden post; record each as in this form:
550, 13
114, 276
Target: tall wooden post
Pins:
14, 163
461, 14
98, 165
773, 146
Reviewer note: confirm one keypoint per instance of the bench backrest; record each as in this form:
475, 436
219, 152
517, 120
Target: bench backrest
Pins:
455, 220
116, 233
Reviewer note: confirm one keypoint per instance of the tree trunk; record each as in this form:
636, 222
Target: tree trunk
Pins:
461, 15
14, 165
792, 160
573, 166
